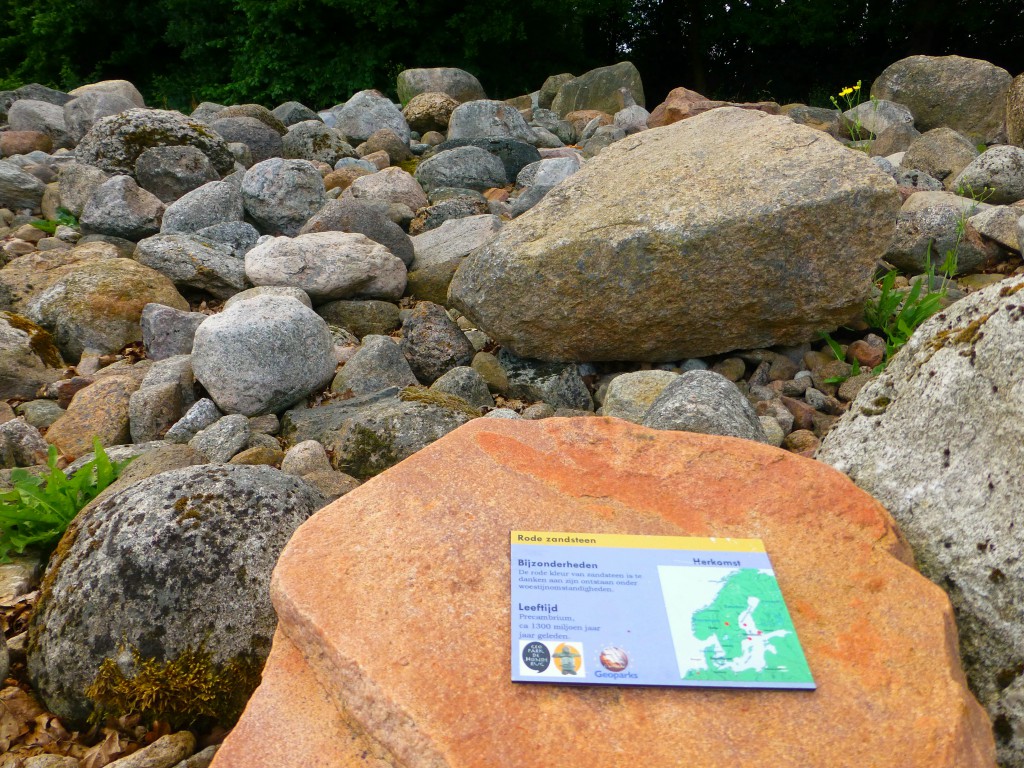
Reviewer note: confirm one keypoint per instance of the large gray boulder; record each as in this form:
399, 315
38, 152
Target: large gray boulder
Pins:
457, 83
109, 592
600, 89
929, 226
262, 140
114, 143
32, 115
1015, 112
941, 153
327, 266
281, 195
968, 95
629, 259
170, 172
391, 185
378, 364
19, 189
77, 183
462, 168
28, 357
367, 112
352, 215
630, 395
704, 402
82, 112
312, 140
997, 175
213, 203
432, 342
485, 119
938, 438
454, 240
262, 355
123, 88
537, 179
121, 208
557, 384
191, 261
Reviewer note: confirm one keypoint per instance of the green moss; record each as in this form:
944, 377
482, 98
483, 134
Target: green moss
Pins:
442, 399
366, 453
39, 340
180, 692
410, 166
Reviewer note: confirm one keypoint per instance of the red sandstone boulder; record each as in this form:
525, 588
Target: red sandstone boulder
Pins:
682, 103
393, 644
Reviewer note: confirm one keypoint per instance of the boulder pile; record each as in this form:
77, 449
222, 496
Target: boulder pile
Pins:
274, 306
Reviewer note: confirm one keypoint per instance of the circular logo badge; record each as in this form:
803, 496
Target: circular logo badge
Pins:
614, 659
536, 656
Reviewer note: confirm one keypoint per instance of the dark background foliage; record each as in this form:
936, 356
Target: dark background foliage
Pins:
180, 52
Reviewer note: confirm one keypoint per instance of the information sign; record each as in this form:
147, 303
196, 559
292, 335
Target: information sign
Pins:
650, 610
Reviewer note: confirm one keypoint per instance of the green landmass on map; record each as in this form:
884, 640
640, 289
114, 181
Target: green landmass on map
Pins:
765, 648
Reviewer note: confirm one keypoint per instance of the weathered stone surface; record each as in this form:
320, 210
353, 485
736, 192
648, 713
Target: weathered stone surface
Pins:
82, 112
255, 111
165, 752
879, 638
456, 83
33, 115
705, 402
464, 381
262, 355
170, 172
100, 410
927, 228
26, 445
874, 117
208, 205
119, 207
222, 439
366, 112
464, 168
941, 153
312, 140
96, 305
362, 317
628, 260
599, 89
682, 103
355, 216
968, 95
77, 183
194, 262
514, 154
937, 438
114, 143
292, 112
378, 364
537, 179
23, 142
263, 141
630, 395
328, 266
281, 195
999, 224
557, 384
997, 174
28, 357
123, 88
240, 236
1015, 111
387, 141
392, 185
152, 410
433, 343
454, 240
19, 189
484, 119
430, 111
220, 530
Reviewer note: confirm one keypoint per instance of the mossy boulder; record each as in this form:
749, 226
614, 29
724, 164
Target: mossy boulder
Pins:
28, 357
114, 143
168, 575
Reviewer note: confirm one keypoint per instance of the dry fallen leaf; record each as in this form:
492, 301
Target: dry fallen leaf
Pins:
107, 751
18, 711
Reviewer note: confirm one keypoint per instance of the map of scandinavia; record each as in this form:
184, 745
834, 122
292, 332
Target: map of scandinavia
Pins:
731, 625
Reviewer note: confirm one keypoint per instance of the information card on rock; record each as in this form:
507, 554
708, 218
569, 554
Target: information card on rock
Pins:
650, 610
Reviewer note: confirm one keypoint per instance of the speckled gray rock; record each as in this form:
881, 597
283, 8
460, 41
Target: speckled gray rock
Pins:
999, 224
28, 357
630, 395
240, 236
262, 140
464, 381
392, 185
999, 169
378, 364
170, 172
123, 88
19, 189
557, 384
222, 439
82, 112
941, 153
454, 239
938, 438
153, 410
25, 442
465, 167
328, 266
212, 203
40, 413
114, 143
457, 83
514, 154
707, 403
483, 119
194, 262
876, 116
312, 140
593, 271
33, 115
281, 195
927, 223
368, 434
537, 179
432, 342
270, 290
968, 95
262, 355
167, 331
366, 112
292, 112
352, 215
121, 208
304, 458
362, 317
197, 418
220, 530
77, 183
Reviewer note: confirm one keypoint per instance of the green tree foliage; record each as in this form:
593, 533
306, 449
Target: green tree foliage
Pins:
180, 52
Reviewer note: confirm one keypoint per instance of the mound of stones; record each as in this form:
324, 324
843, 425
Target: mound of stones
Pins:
878, 636
322, 294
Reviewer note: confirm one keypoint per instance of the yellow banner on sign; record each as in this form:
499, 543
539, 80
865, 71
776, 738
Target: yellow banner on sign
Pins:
556, 539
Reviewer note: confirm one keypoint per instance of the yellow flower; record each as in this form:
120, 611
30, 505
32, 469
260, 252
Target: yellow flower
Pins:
856, 87
846, 91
